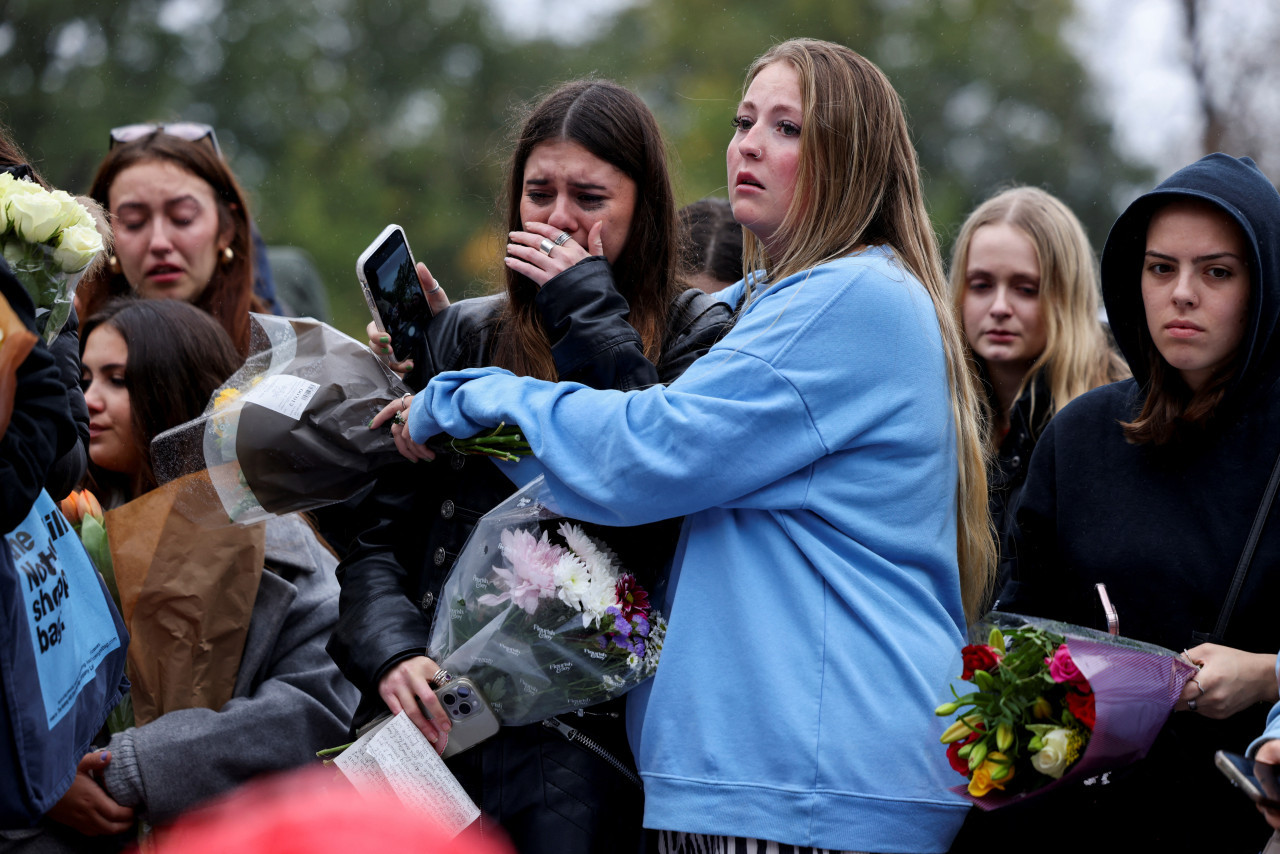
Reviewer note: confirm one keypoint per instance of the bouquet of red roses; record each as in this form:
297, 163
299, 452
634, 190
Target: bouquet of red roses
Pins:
1054, 703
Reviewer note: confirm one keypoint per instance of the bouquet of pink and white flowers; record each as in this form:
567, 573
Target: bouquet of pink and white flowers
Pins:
541, 616
1054, 703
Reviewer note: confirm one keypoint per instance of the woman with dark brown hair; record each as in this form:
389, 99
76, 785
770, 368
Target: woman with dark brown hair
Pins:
1159, 488
181, 229
592, 295
148, 366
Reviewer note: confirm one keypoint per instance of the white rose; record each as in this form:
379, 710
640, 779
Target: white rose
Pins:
1051, 760
35, 216
72, 213
77, 246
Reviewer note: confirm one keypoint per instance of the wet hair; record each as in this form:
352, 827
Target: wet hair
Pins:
1077, 355
710, 241
858, 184
178, 356
229, 294
612, 123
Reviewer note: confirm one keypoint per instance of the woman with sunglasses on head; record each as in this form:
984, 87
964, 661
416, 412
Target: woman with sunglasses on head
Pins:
836, 533
150, 365
1155, 487
1024, 285
592, 295
182, 228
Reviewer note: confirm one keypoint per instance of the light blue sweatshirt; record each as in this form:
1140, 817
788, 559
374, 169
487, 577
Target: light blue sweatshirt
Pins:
814, 600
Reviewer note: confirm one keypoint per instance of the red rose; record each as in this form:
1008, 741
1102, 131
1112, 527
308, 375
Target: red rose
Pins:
978, 657
1081, 705
961, 766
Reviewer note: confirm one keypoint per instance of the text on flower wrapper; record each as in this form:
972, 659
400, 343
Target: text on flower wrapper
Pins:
545, 634
596, 654
561, 666
528, 689
509, 650
457, 613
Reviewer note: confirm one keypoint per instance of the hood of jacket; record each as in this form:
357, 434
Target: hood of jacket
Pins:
1237, 187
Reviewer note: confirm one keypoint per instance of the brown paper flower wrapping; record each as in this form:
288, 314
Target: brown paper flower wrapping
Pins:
186, 593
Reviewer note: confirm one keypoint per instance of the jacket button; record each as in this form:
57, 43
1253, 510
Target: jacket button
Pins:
446, 509
439, 557
428, 599
457, 461
1017, 461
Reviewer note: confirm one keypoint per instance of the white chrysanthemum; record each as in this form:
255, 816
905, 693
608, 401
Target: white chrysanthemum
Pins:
594, 554
572, 580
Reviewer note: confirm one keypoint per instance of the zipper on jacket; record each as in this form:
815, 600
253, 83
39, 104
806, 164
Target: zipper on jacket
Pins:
593, 746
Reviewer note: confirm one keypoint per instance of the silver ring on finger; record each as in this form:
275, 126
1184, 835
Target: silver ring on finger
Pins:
546, 246
399, 418
1198, 685
563, 238
1191, 704
433, 290
440, 677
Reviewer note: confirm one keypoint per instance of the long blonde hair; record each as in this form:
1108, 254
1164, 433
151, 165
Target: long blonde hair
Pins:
1077, 356
859, 184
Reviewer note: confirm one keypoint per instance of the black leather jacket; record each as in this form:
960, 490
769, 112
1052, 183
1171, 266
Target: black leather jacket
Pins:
548, 794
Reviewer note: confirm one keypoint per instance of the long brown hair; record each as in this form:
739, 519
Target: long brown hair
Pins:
1077, 356
613, 124
178, 355
858, 185
229, 295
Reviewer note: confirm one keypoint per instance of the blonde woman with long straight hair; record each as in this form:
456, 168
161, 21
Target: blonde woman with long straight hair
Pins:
1025, 285
827, 456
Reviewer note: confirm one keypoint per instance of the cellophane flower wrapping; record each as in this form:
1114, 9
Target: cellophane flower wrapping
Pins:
48, 239
289, 431
1092, 703
540, 615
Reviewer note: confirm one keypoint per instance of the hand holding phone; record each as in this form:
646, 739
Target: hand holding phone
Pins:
473, 720
1257, 780
402, 295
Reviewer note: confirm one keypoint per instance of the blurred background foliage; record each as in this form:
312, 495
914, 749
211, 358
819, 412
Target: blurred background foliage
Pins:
340, 116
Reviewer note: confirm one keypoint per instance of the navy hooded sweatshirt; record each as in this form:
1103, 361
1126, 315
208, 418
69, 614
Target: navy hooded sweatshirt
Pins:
1164, 527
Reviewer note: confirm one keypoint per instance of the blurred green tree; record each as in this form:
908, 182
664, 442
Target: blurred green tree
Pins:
342, 115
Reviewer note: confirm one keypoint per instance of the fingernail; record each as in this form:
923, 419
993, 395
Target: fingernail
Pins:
105, 756
409, 365
384, 339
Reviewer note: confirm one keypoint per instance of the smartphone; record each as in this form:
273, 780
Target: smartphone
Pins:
390, 283
1256, 779
473, 720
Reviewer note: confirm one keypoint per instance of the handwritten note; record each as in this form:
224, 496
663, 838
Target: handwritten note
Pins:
396, 755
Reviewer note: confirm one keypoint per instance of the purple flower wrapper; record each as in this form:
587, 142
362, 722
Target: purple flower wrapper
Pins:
1135, 687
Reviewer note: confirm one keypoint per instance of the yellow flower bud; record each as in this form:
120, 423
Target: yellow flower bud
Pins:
1004, 736
1041, 709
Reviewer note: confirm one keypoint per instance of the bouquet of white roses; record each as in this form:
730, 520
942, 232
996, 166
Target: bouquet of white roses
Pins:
540, 615
48, 239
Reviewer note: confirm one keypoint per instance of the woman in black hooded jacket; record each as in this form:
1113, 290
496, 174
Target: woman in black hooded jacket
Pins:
1152, 485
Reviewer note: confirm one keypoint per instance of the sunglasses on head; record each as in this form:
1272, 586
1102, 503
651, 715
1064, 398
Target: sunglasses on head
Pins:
190, 131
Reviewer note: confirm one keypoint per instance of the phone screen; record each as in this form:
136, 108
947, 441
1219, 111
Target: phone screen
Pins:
396, 293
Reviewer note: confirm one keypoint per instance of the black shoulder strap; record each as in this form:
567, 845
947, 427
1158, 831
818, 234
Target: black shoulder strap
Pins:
1246, 557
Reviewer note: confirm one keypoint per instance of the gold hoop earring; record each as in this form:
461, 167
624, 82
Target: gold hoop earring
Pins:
228, 255
113, 264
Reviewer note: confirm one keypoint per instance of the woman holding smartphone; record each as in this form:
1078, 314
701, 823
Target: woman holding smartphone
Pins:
1152, 487
593, 296
828, 457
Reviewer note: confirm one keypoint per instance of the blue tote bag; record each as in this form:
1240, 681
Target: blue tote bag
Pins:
62, 658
